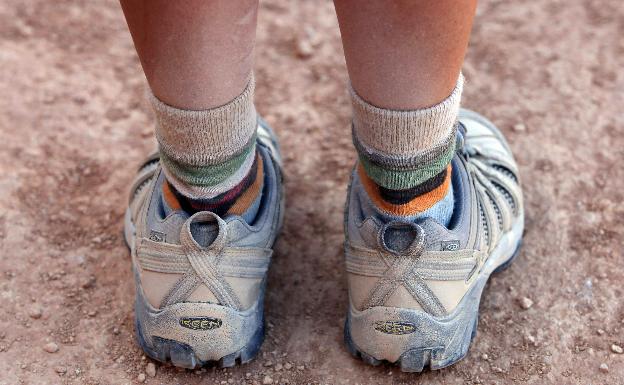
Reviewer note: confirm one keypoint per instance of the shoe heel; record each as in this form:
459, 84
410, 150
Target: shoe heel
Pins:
409, 338
192, 335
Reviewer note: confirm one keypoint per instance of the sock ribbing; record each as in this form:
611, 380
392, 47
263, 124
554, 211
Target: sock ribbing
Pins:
236, 200
206, 153
415, 206
399, 197
402, 149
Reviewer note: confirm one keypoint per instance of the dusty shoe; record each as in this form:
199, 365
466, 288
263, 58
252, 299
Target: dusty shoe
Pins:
414, 288
200, 279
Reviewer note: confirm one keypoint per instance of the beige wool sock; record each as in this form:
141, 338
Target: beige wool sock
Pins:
400, 149
206, 153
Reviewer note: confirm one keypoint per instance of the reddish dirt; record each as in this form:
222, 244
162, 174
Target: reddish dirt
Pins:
74, 126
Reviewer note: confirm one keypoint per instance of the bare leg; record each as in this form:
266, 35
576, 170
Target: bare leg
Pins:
196, 54
404, 54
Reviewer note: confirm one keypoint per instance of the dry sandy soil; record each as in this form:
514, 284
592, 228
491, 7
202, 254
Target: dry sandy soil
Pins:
74, 125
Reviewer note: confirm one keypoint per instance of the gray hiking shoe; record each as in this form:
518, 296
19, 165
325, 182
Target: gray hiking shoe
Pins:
414, 288
200, 279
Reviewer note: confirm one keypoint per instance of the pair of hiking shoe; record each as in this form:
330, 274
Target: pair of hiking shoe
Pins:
414, 287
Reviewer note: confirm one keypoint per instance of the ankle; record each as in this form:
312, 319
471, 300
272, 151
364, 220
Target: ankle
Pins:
405, 156
242, 199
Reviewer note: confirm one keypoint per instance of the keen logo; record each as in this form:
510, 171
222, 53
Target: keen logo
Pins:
450, 245
157, 236
200, 323
395, 327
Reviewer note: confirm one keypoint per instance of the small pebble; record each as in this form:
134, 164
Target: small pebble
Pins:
525, 303
600, 332
150, 369
519, 127
267, 380
617, 349
51, 347
304, 49
141, 377
484, 356
247, 375
35, 312
604, 367
268, 363
288, 366
300, 367
60, 370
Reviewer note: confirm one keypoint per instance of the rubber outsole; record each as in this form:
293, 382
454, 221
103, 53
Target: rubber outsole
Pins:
411, 361
183, 356
418, 359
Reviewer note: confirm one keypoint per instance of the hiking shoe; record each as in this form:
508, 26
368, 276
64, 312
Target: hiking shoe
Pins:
200, 278
415, 287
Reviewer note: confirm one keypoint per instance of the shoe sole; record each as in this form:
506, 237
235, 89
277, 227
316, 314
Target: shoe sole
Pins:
434, 342
184, 356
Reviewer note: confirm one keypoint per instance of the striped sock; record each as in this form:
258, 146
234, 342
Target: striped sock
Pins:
241, 200
405, 156
209, 157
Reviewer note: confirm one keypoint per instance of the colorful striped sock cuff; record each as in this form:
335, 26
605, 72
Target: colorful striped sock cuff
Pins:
236, 200
399, 197
206, 191
402, 149
210, 175
206, 137
395, 172
414, 206
206, 153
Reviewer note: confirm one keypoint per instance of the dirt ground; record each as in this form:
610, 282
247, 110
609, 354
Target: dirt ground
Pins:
73, 127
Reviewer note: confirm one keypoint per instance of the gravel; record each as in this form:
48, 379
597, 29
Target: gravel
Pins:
51, 347
60, 370
35, 312
525, 302
150, 369
519, 127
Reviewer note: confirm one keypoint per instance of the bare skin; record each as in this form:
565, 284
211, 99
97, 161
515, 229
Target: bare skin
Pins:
404, 54
400, 54
196, 54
